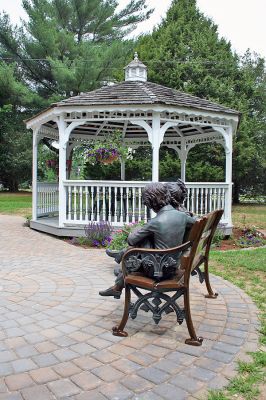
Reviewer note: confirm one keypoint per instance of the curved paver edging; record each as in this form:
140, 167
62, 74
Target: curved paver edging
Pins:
55, 340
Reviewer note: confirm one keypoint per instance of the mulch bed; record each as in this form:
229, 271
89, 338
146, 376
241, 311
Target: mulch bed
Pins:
230, 243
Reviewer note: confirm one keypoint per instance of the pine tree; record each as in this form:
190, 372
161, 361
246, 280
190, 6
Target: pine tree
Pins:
64, 48
185, 52
69, 46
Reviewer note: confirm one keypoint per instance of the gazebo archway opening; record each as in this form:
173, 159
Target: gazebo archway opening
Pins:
170, 164
211, 167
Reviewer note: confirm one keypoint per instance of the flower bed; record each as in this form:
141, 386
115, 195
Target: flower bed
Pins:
241, 238
100, 235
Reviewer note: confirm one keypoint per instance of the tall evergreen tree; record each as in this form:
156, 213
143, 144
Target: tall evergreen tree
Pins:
186, 53
15, 141
249, 162
69, 46
65, 47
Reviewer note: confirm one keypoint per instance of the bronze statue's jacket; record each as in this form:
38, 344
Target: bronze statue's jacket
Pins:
165, 230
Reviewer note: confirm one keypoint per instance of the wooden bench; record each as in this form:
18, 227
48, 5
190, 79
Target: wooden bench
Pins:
161, 295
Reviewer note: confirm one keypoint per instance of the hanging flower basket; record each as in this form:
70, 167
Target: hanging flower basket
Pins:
106, 156
51, 163
69, 165
106, 150
109, 160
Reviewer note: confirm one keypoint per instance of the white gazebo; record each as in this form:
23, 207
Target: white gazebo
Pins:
146, 114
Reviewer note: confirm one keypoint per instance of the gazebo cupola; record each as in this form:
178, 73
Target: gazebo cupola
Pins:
136, 70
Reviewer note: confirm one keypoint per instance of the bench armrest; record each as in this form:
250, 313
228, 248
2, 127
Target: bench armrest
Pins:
155, 259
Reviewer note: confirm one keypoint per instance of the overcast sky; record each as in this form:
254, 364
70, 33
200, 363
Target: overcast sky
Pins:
240, 21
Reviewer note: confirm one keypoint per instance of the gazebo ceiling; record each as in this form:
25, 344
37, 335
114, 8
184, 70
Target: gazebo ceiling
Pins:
89, 130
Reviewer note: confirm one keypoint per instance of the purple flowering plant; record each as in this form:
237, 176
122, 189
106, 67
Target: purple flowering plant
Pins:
98, 234
107, 149
251, 238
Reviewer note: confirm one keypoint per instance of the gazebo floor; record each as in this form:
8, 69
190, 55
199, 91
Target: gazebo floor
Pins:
51, 225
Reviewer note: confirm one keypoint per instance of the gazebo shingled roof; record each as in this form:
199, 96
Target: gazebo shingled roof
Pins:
136, 92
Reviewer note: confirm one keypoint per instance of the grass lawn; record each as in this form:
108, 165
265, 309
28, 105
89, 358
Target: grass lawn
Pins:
249, 215
15, 203
246, 269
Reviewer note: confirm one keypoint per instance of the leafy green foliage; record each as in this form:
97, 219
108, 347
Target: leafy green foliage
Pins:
206, 163
218, 237
186, 53
138, 166
65, 47
119, 238
15, 152
69, 46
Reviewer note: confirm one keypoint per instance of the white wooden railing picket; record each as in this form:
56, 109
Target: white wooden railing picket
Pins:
205, 197
114, 201
47, 198
120, 202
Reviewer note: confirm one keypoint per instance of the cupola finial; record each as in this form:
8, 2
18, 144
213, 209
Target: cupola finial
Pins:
136, 70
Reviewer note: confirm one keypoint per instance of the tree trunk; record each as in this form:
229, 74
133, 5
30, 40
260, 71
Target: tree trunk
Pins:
11, 184
236, 193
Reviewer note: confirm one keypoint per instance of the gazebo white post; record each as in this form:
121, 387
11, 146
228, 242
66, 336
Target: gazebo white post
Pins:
64, 133
63, 138
122, 160
68, 153
228, 176
36, 140
155, 141
123, 169
228, 146
183, 159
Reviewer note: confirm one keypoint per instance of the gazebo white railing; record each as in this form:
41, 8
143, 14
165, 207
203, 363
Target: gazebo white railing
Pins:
121, 202
47, 198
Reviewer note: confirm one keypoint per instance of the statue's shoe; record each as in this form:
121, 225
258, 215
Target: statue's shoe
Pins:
116, 254
117, 271
110, 292
112, 253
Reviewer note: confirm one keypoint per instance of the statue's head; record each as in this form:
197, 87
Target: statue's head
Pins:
178, 192
156, 195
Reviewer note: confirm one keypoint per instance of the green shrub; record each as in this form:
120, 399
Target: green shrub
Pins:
119, 238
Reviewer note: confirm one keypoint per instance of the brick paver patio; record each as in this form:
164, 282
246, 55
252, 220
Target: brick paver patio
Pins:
55, 340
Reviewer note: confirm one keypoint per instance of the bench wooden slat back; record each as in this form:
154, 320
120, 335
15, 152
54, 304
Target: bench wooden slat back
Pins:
201, 240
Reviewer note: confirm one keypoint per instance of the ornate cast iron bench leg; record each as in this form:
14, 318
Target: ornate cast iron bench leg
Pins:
119, 329
211, 294
194, 340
